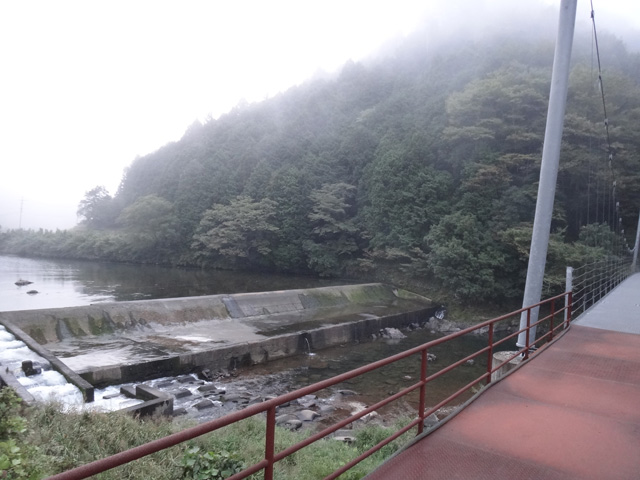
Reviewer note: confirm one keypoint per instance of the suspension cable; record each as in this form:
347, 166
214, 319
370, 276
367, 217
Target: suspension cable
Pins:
611, 211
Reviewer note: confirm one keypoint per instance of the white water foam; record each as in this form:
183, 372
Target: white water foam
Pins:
51, 378
194, 338
49, 385
12, 355
6, 336
11, 344
67, 394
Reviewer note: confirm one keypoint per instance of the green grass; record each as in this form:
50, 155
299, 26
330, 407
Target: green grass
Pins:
67, 440
58, 441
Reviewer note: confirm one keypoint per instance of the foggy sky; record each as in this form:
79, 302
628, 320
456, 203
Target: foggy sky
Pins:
87, 86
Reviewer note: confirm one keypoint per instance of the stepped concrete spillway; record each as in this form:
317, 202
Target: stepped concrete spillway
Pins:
111, 343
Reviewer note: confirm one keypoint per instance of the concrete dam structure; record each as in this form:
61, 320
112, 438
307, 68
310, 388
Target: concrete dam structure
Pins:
114, 343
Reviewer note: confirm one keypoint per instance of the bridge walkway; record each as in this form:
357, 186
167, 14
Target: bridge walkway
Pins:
571, 412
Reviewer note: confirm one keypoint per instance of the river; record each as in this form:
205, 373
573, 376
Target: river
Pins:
67, 283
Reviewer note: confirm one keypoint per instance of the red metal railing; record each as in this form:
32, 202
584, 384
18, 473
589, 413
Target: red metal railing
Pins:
269, 407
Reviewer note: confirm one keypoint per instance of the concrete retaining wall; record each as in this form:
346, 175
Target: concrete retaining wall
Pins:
56, 324
258, 352
282, 323
155, 402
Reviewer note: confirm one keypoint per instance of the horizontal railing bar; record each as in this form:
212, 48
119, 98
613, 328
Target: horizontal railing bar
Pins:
154, 446
522, 350
373, 449
317, 436
508, 337
518, 332
455, 395
249, 471
538, 322
542, 337
448, 368
550, 316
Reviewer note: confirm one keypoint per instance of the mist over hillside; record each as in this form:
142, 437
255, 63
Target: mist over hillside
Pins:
423, 158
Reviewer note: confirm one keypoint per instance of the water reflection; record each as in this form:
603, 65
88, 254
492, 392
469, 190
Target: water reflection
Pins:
63, 283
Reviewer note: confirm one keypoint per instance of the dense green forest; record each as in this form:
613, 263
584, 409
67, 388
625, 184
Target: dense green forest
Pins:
424, 162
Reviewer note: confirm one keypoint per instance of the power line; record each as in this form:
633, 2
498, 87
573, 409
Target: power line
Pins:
20, 218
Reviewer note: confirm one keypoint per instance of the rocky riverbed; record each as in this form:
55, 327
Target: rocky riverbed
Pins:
210, 395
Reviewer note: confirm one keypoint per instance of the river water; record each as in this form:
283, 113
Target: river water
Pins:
62, 283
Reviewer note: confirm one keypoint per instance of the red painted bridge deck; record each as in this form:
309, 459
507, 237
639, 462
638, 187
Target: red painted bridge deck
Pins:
572, 412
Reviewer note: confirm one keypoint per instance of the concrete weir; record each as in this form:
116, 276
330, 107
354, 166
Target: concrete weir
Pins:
114, 343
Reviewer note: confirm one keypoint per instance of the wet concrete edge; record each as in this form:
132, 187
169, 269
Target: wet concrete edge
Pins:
8, 379
155, 402
257, 352
72, 377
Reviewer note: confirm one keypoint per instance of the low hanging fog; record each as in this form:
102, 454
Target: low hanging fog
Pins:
80, 102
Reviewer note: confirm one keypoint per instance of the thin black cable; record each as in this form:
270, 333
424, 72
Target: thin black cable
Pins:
600, 82
613, 208
596, 278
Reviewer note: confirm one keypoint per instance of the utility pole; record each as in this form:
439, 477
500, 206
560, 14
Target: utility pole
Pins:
549, 166
20, 220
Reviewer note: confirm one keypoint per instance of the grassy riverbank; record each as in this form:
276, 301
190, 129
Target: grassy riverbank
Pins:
40, 441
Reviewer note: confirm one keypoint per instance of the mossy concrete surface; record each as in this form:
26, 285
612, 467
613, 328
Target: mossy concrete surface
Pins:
112, 343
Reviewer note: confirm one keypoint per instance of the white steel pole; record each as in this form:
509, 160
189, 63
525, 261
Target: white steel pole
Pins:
549, 166
635, 248
568, 288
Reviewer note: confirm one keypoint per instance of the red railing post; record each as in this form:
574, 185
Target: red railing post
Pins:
553, 313
424, 360
569, 308
490, 354
269, 444
526, 351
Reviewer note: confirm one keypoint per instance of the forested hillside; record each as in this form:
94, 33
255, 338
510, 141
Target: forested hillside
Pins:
425, 161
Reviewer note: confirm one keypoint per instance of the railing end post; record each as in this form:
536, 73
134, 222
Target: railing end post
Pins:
528, 342
490, 354
424, 362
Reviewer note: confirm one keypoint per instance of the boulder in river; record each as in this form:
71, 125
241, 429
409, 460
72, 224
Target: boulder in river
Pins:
289, 421
203, 404
345, 436
392, 333
307, 415
30, 369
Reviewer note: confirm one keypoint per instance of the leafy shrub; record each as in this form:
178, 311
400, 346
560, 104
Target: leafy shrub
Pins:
199, 465
11, 423
15, 456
